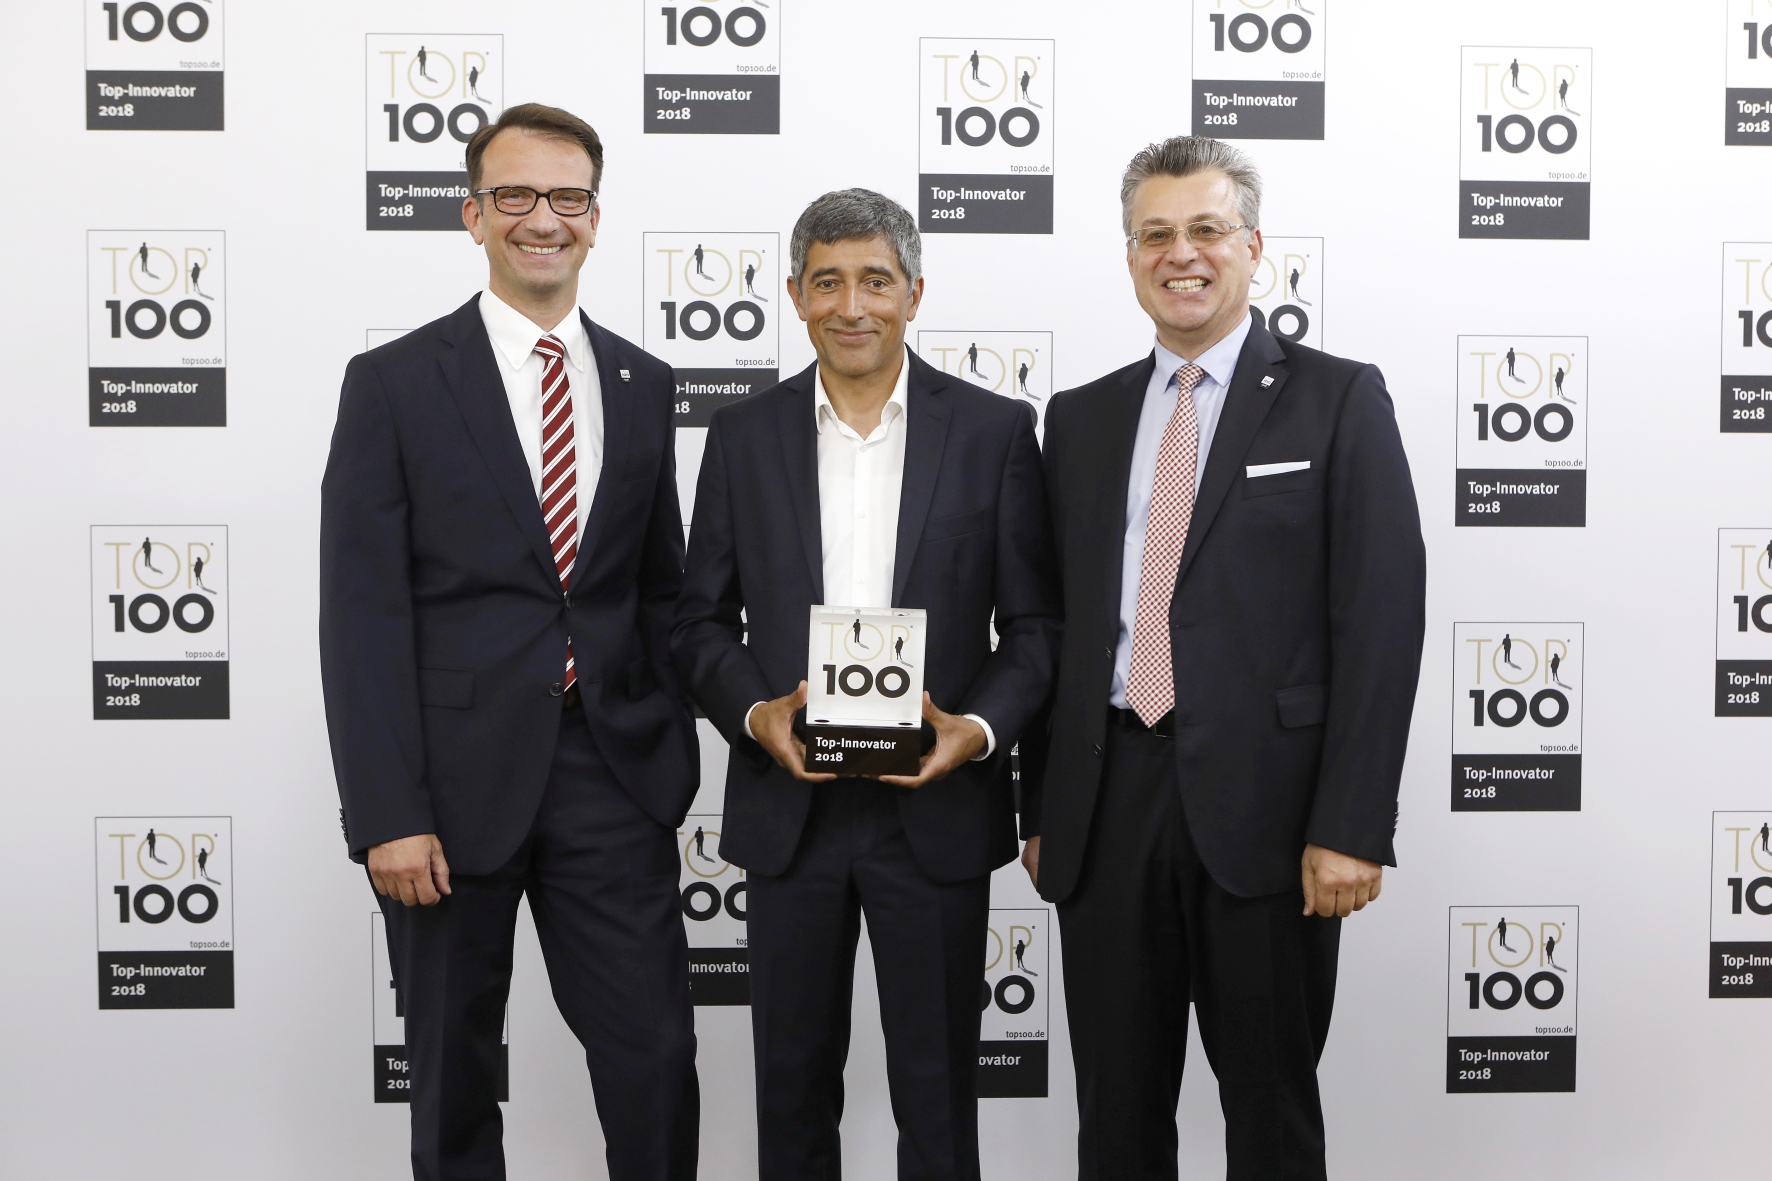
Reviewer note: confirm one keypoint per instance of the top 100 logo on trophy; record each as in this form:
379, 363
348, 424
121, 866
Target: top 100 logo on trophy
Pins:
864, 690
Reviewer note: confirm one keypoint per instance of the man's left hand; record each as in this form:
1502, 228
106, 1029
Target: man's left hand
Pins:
1336, 885
957, 739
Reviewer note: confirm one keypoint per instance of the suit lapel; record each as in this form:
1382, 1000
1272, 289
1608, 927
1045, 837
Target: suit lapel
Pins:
618, 417
1260, 376
926, 436
799, 464
478, 388
1116, 413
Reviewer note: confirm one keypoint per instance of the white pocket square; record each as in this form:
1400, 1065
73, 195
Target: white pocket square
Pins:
1274, 469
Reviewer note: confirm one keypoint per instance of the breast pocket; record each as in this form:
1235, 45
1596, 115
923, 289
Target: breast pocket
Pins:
1269, 485
943, 528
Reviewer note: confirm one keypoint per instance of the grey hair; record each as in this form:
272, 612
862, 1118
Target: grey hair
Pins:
857, 213
1184, 155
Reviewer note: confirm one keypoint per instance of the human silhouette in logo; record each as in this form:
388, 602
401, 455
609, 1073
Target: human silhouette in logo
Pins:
1292, 281
422, 56
898, 649
1513, 71
197, 565
750, 274
1563, 97
1510, 365
701, 273
701, 849
1769, 555
196, 270
974, 61
148, 554
153, 854
856, 629
1027, 77
203, 866
474, 82
1021, 945
1021, 379
142, 256
1501, 933
972, 358
1550, 952
1766, 839
1507, 650
1557, 381
1556, 662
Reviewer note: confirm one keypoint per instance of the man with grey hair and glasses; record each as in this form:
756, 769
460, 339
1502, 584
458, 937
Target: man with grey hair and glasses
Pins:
871, 479
1243, 579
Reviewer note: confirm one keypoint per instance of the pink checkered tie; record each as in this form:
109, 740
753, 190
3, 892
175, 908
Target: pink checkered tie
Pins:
1150, 683
559, 469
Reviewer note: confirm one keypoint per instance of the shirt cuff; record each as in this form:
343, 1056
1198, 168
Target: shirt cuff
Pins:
747, 722
990, 738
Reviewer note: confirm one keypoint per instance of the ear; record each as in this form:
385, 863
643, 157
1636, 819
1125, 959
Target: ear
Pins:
794, 293
470, 217
916, 299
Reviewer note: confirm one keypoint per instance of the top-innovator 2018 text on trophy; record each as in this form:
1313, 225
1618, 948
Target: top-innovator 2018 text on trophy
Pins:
864, 690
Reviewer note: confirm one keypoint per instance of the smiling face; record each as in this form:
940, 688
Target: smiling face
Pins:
856, 302
534, 257
1194, 296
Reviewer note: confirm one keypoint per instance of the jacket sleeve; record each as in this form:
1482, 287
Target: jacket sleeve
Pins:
1377, 603
1017, 679
368, 655
661, 564
707, 642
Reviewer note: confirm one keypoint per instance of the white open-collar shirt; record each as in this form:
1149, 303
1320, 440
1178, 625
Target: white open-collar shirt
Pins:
513, 346
860, 482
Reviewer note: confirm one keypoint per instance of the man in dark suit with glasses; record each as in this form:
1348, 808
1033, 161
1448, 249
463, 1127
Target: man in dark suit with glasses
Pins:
500, 551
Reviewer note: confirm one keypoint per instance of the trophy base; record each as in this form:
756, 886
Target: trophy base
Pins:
863, 750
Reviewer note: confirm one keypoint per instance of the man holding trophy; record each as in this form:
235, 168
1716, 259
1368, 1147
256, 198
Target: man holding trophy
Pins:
856, 528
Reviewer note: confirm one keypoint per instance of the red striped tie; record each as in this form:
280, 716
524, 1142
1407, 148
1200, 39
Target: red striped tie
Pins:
1150, 681
559, 469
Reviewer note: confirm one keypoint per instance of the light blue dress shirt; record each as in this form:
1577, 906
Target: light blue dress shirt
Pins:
1220, 363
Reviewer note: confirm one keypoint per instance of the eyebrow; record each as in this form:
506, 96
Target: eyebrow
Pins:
821, 272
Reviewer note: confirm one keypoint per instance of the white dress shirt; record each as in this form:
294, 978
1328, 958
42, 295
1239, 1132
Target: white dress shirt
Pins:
859, 484
1220, 363
513, 345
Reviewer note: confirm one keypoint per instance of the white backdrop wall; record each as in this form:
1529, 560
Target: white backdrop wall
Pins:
279, 1085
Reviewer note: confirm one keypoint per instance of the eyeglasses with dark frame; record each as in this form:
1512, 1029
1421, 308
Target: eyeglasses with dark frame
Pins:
520, 199
1203, 233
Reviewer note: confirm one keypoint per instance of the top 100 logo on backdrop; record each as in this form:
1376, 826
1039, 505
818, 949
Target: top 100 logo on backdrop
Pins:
1524, 142
426, 95
712, 68
984, 136
153, 66
1258, 74
1747, 74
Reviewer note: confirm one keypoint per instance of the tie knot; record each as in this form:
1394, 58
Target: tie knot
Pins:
550, 346
1189, 376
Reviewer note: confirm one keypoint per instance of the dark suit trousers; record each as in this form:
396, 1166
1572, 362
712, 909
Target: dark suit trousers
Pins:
928, 940
1146, 930
601, 877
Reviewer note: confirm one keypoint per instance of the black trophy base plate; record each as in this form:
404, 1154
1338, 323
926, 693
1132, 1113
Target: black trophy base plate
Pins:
863, 750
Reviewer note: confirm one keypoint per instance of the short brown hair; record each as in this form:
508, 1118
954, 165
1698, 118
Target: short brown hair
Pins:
551, 122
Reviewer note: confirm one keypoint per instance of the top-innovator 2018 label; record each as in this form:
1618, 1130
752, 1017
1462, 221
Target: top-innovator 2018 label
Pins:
1258, 74
1524, 146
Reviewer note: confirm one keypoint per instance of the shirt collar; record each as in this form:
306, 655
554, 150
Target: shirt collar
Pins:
896, 406
1219, 361
514, 334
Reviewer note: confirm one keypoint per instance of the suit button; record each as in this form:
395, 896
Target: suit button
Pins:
555, 689
569, 602
1109, 651
1098, 748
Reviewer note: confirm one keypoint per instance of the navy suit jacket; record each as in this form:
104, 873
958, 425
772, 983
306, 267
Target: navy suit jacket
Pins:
973, 538
443, 626
1295, 629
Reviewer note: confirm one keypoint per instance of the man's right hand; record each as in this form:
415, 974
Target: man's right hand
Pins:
1030, 860
411, 869
772, 725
